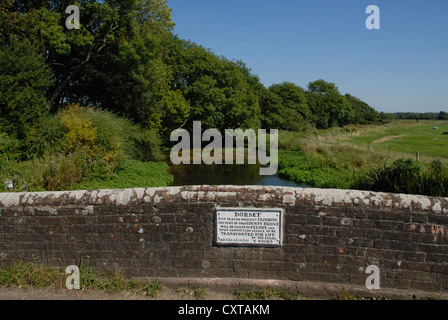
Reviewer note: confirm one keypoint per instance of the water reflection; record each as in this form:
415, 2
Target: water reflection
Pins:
235, 174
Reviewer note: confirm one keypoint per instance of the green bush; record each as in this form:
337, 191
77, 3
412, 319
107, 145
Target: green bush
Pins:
132, 174
83, 146
145, 145
96, 129
52, 172
45, 136
10, 148
26, 175
403, 176
406, 176
435, 180
312, 170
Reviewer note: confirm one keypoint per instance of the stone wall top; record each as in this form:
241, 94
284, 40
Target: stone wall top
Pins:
262, 195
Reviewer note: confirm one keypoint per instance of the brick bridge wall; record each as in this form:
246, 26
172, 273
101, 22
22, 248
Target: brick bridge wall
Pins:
329, 236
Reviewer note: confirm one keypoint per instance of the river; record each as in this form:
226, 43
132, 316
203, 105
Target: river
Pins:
244, 174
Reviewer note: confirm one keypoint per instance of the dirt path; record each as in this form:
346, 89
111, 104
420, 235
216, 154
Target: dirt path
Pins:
388, 138
57, 294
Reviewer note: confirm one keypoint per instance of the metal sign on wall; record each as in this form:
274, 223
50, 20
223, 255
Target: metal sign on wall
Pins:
248, 227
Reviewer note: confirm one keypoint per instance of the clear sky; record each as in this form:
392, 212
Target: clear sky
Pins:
401, 67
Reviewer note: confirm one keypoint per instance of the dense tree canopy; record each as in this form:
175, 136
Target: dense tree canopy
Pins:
216, 88
24, 81
329, 107
125, 59
292, 103
362, 112
442, 115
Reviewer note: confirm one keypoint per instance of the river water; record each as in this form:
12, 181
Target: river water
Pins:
235, 174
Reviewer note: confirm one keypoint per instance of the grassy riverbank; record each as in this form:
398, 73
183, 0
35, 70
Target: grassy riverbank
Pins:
370, 157
347, 157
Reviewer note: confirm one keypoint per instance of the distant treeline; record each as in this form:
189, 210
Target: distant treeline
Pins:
442, 115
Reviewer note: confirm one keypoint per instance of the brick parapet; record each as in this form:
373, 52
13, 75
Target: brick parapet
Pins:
329, 235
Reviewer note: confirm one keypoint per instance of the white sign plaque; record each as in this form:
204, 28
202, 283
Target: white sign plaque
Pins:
260, 227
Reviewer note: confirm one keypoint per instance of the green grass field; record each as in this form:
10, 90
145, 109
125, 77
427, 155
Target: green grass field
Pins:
407, 137
339, 157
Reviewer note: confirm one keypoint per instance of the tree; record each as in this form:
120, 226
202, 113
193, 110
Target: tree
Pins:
217, 89
284, 107
37, 22
362, 112
271, 106
80, 58
387, 117
24, 81
329, 108
171, 112
109, 30
442, 115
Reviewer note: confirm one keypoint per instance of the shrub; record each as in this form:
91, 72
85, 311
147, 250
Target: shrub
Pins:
406, 176
45, 136
82, 145
131, 174
10, 148
146, 146
435, 180
26, 175
78, 129
312, 170
403, 176
98, 131
54, 172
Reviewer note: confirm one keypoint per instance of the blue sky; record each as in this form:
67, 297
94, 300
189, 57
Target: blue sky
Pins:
401, 67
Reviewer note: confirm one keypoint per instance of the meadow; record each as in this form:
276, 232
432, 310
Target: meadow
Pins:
357, 157
407, 138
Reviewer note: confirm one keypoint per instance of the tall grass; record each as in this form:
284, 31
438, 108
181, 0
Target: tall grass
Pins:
332, 145
26, 275
406, 176
321, 158
267, 293
35, 275
342, 158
